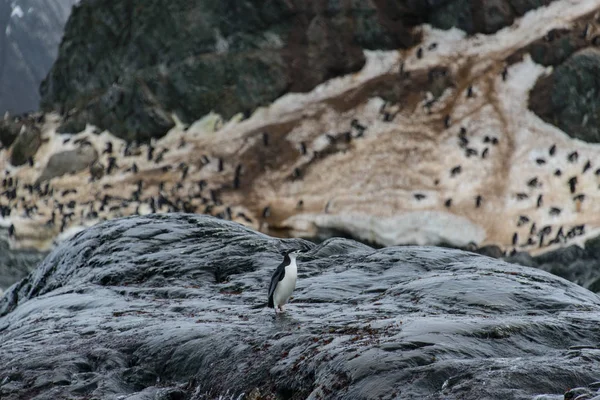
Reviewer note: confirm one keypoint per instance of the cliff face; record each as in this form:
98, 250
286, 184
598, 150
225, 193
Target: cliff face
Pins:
30, 32
129, 66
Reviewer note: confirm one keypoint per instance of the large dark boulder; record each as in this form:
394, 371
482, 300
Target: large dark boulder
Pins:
570, 96
173, 306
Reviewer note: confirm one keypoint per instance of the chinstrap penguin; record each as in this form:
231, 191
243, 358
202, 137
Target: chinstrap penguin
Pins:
283, 281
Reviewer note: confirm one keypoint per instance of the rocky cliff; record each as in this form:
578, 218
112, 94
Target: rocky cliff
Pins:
143, 61
30, 32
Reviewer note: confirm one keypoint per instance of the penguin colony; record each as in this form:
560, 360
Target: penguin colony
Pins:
247, 180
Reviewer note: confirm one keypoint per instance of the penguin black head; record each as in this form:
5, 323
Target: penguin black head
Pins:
291, 254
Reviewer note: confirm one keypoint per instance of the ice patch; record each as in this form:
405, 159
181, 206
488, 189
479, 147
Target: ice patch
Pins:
17, 11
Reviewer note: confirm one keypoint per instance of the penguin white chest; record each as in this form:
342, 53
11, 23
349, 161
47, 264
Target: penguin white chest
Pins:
286, 286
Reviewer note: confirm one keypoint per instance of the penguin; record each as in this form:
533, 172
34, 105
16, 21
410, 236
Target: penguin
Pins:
150, 154
456, 170
533, 182
523, 219
558, 172
359, 128
552, 150
448, 203
572, 157
478, 200
470, 91
470, 152
484, 153
555, 211
297, 174
266, 213
303, 148
283, 281
419, 196
420, 52
540, 201
573, 184
540, 161
587, 166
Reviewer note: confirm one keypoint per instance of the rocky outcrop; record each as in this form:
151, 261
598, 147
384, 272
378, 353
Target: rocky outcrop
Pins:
570, 97
227, 57
69, 162
30, 32
173, 306
211, 56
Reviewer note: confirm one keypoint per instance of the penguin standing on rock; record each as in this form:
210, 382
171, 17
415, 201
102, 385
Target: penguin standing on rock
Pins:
283, 281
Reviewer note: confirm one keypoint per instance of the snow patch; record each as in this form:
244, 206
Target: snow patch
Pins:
17, 11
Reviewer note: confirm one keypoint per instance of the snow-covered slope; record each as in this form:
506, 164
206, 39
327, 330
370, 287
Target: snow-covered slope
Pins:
30, 32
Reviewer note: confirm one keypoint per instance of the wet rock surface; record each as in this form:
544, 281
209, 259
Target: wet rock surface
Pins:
173, 305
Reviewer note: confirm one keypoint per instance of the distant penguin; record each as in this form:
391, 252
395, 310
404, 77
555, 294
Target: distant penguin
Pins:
587, 166
552, 150
573, 184
303, 148
283, 281
573, 156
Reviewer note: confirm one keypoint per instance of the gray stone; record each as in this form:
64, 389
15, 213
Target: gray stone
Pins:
490, 251
69, 162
